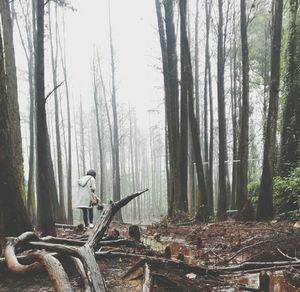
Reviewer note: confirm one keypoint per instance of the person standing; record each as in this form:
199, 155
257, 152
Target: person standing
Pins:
87, 187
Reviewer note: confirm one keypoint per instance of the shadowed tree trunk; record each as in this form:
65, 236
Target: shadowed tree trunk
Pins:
265, 199
181, 202
12, 91
290, 132
27, 43
222, 200
13, 216
170, 73
208, 92
187, 89
242, 192
235, 126
45, 175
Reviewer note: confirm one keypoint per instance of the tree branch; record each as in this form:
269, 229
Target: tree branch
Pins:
57, 86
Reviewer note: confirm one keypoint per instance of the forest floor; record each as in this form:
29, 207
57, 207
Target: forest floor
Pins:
241, 250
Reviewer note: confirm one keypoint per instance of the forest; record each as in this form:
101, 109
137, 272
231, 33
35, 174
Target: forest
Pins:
149, 145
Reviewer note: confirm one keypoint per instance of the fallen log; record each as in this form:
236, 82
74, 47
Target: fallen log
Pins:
170, 274
248, 266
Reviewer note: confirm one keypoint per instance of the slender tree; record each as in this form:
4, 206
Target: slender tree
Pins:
222, 200
208, 93
54, 52
242, 193
115, 150
181, 201
69, 168
99, 134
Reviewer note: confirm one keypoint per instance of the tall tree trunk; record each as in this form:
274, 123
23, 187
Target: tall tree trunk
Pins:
97, 109
187, 89
265, 200
115, 150
169, 62
62, 212
28, 46
242, 193
208, 92
290, 135
12, 91
83, 167
69, 164
132, 162
222, 200
14, 219
45, 175
197, 62
235, 125
290, 131
181, 201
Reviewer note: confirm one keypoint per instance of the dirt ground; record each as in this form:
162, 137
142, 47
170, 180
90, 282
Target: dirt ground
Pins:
213, 244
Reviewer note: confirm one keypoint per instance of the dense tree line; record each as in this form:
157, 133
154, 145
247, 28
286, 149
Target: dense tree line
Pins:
228, 97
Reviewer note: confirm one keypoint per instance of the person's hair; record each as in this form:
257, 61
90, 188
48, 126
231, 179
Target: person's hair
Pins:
91, 172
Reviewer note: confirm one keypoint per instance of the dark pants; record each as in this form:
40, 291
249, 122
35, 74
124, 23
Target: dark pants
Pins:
85, 212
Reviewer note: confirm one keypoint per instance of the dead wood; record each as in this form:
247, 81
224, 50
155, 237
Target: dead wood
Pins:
275, 247
156, 272
10, 256
134, 232
56, 272
170, 264
79, 267
246, 248
148, 281
248, 266
58, 225
84, 251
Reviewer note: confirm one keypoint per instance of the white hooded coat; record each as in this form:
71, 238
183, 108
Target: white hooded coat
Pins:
86, 185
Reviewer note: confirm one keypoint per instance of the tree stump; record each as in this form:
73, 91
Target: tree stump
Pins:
134, 232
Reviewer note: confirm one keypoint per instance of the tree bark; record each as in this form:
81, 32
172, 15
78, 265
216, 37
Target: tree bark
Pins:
265, 200
62, 212
222, 199
13, 216
290, 131
242, 193
45, 175
12, 92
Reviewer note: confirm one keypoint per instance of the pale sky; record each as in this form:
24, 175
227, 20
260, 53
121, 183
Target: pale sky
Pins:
136, 44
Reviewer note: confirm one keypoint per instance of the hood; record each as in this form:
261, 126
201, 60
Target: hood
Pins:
84, 180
